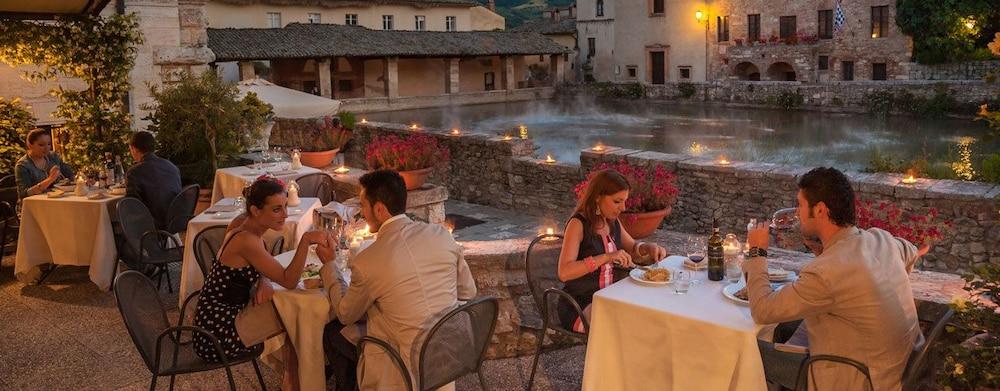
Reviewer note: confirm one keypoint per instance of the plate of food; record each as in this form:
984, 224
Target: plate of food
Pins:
737, 292
55, 193
779, 275
310, 276
651, 275
117, 191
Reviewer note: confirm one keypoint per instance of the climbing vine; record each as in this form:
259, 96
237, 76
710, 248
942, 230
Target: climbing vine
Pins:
100, 51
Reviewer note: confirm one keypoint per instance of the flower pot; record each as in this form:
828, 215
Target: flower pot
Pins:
318, 159
641, 225
204, 200
416, 178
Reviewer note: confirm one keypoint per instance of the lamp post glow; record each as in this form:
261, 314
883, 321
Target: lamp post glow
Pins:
699, 15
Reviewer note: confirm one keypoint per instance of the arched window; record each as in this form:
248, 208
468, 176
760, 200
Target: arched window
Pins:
600, 7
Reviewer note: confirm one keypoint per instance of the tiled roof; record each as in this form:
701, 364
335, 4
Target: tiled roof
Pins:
344, 3
327, 40
545, 26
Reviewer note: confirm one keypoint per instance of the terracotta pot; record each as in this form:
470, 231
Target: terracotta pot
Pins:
641, 225
318, 159
416, 178
204, 201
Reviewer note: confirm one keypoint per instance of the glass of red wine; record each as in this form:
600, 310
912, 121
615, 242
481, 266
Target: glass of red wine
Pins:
696, 250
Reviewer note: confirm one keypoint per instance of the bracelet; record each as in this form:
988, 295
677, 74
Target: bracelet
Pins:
591, 264
638, 249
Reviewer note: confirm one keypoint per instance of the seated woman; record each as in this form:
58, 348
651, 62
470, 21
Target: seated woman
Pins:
39, 168
225, 308
595, 243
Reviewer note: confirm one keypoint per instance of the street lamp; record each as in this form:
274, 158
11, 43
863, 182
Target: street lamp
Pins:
698, 15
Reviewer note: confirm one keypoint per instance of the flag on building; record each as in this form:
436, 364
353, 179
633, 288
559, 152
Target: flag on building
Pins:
839, 19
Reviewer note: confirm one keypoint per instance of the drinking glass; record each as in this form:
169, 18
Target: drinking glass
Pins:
785, 219
681, 282
734, 269
239, 203
696, 249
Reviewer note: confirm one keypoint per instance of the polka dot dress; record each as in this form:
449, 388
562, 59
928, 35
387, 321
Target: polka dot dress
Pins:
226, 292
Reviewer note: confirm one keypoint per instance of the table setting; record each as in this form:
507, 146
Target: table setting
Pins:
230, 181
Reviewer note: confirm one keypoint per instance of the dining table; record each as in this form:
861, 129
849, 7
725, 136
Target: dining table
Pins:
67, 230
299, 221
230, 181
646, 336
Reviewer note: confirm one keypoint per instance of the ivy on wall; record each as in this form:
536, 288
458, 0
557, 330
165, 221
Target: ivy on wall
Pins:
100, 51
949, 30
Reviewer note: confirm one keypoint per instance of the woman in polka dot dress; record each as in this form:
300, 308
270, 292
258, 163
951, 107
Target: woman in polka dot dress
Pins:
243, 262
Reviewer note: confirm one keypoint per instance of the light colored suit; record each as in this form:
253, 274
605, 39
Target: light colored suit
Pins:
856, 302
405, 281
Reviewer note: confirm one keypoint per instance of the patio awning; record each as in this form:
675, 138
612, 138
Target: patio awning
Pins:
48, 9
289, 103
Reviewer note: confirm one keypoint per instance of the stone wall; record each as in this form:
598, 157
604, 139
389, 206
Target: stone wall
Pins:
375, 104
491, 171
972, 70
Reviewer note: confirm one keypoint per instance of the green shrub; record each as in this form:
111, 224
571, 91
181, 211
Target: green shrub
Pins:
15, 122
937, 106
626, 91
789, 100
686, 89
990, 171
879, 102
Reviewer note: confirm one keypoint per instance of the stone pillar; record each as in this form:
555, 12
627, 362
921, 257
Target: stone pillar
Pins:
452, 85
246, 70
557, 68
509, 83
391, 77
325, 83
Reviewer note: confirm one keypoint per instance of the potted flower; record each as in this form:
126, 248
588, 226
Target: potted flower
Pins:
318, 139
414, 156
649, 202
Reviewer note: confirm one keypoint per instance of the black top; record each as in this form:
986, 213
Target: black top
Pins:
583, 288
155, 181
226, 292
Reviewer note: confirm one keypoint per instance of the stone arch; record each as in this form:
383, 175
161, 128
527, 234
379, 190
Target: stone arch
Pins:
747, 71
781, 71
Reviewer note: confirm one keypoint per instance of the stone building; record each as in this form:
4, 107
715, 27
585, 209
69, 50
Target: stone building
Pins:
353, 62
559, 25
659, 41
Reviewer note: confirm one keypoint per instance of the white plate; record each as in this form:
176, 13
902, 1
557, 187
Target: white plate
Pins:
730, 293
294, 211
791, 277
223, 216
638, 275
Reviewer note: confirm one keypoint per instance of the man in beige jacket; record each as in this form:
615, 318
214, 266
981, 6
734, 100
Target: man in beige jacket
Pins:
855, 297
404, 282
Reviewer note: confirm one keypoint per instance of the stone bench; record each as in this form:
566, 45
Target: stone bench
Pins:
425, 204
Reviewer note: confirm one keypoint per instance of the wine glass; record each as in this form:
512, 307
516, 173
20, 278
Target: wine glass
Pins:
785, 219
696, 249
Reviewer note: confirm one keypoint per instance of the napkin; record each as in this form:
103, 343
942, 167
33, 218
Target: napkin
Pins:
283, 173
221, 208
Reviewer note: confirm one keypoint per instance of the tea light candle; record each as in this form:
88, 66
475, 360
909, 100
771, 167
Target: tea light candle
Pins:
342, 170
723, 161
81, 186
296, 160
549, 159
550, 231
909, 180
507, 137
364, 120
293, 194
599, 147
524, 131
456, 132
414, 127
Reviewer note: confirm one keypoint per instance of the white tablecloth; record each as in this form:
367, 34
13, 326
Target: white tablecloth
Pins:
230, 181
66, 231
295, 226
648, 338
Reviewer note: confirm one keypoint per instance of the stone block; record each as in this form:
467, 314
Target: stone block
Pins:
960, 190
880, 184
649, 158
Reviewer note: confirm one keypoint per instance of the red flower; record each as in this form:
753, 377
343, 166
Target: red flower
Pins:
918, 228
647, 194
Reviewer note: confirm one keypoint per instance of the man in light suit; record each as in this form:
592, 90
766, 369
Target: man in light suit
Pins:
855, 297
405, 281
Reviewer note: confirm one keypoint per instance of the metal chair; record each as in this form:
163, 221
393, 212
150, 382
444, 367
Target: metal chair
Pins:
181, 209
11, 223
8, 224
452, 348
160, 345
277, 246
933, 318
389, 351
546, 289
206, 247
318, 185
144, 244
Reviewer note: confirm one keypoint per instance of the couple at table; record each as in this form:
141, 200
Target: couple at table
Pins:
854, 300
412, 274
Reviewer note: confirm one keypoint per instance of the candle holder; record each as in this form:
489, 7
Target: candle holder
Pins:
293, 194
296, 160
414, 127
722, 161
599, 147
549, 159
523, 131
342, 170
909, 180
456, 132
549, 235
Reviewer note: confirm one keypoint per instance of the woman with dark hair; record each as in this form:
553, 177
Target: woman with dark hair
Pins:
39, 168
230, 307
596, 251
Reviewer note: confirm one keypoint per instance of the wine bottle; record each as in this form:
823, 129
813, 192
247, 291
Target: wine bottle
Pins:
716, 256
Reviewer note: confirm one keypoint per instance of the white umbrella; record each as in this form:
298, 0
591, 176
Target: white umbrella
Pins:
289, 103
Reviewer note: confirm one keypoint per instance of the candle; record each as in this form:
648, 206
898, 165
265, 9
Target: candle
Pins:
697, 149
507, 137
414, 127
81, 186
524, 131
723, 161
364, 120
456, 132
909, 180
549, 159
550, 231
293, 194
296, 160
342, 169
599, 147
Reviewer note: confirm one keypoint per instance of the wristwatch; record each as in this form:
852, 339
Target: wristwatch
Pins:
757, 252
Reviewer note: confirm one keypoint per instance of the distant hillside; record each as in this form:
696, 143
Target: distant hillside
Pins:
517, 12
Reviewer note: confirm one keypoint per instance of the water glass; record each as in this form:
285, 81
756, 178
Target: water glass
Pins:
681, 282
240, 203
734, 270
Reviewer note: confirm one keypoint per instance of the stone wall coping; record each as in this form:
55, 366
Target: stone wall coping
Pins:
514, 145
541, 163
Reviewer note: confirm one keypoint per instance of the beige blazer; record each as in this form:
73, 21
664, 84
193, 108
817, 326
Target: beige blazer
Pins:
857, 303
411, 276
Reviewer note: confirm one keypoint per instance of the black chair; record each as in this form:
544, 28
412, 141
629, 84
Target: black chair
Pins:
144, 245
8, 225
11, 220
277, 246
318, 185
8, 189
206, 247
546, 289
181, 209
451, 349
933, 318
161, 345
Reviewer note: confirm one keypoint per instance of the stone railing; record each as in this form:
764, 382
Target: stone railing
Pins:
488, 170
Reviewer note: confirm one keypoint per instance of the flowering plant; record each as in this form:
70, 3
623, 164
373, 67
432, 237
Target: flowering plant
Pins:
414, 152
314, 134
271, 178
917, 229
653, 189
975, 363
